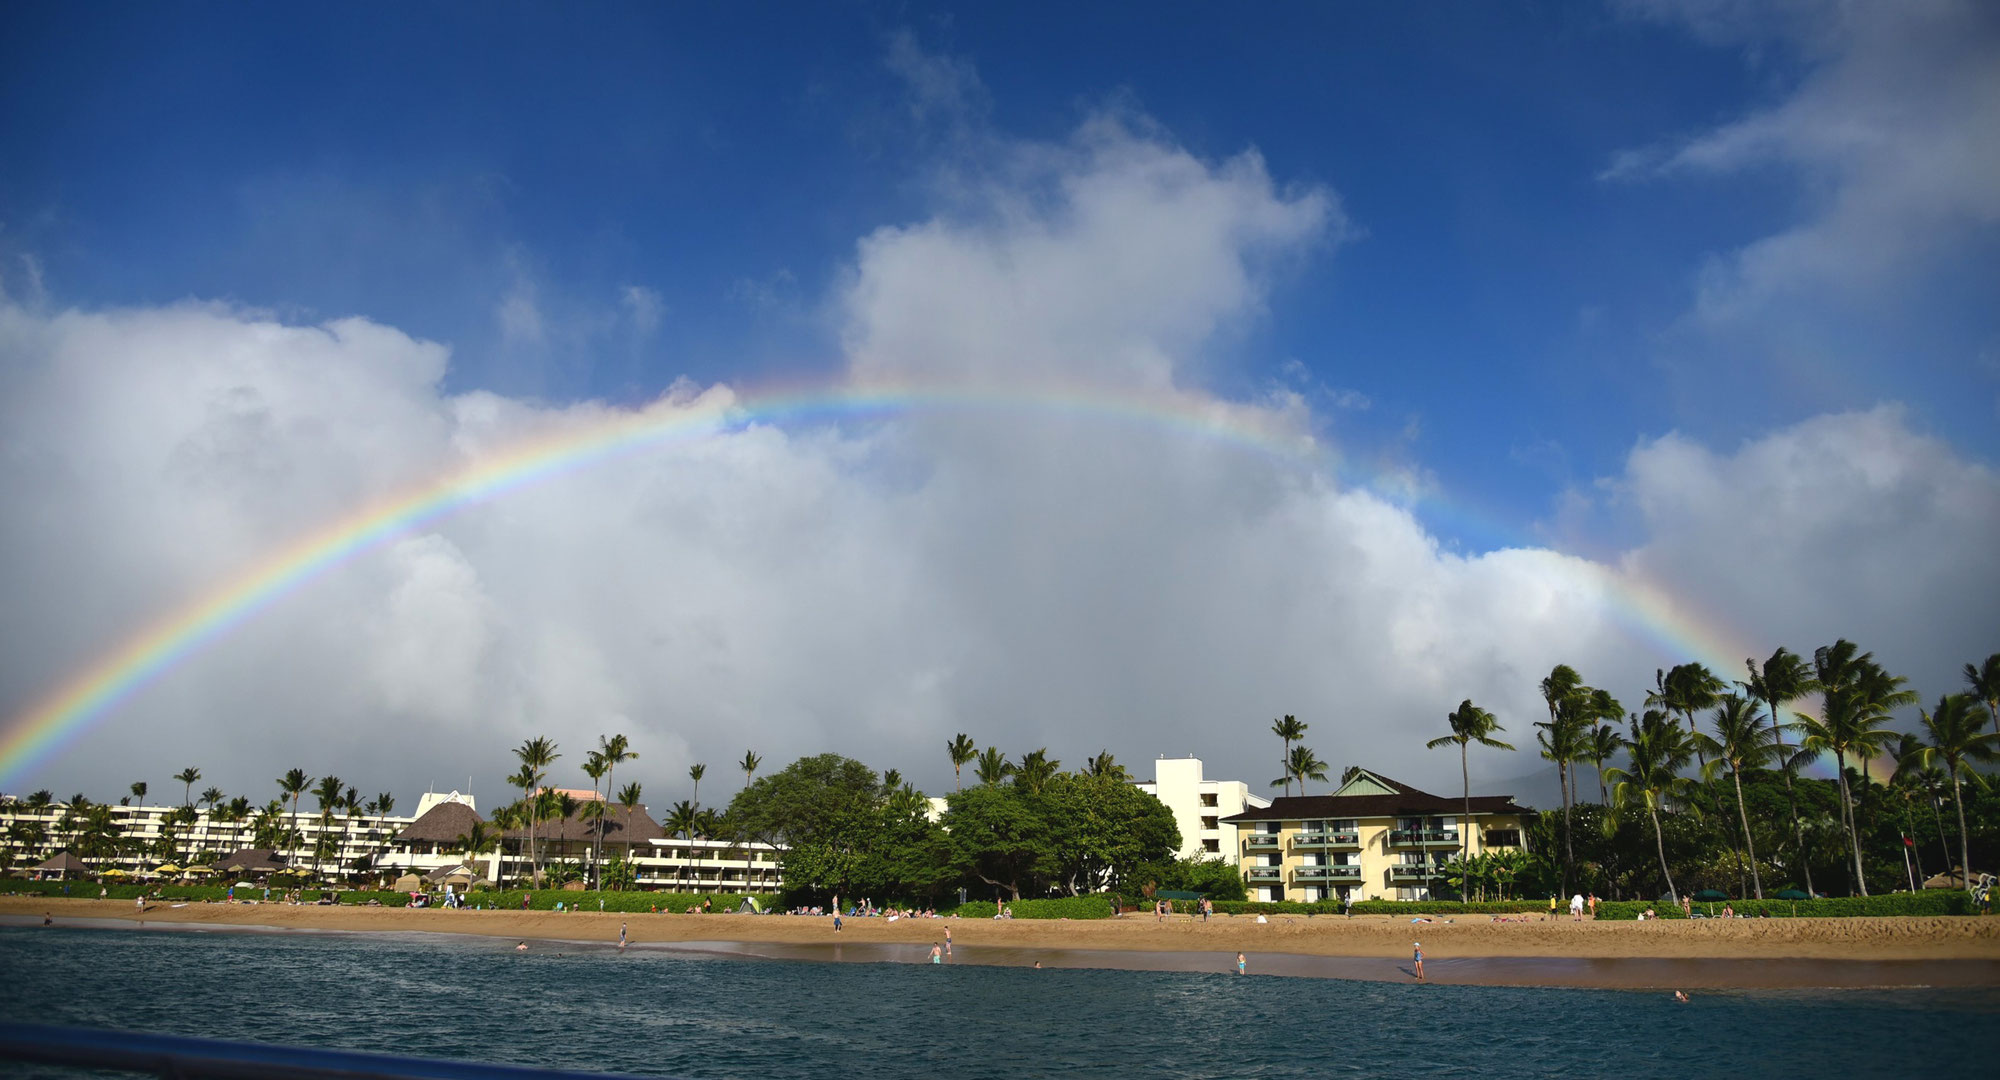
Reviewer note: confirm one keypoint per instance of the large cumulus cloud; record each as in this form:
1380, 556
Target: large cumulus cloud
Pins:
1076, 576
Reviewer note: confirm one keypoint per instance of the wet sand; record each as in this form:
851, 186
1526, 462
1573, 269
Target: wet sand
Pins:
1699, 953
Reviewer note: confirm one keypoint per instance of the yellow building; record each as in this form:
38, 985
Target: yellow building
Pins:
1373, 839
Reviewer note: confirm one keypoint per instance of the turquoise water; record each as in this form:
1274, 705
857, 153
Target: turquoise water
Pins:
681, 1014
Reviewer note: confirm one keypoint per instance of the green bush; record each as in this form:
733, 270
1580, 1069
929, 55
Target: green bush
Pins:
628, 902
1068, 907
194, 894
1930, 902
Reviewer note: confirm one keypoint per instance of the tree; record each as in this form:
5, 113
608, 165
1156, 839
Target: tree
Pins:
535, 756
292, 786
628, 800
1303, 765
1855, 698
328, 795
139, 792
477, 841
1291, 730
1659, 748
1603, 745
1984, 682
992, 766
1036, 770
1469, 724
695, 773
187, 777
824, 809
594, 766
962, 751
749, 766
1742, 742
681, 821
1956, 740
1785, 677
1105, 765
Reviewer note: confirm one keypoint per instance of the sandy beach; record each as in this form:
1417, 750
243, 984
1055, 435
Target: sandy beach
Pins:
1969, 947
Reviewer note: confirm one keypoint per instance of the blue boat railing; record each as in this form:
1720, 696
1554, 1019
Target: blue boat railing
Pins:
186, 1058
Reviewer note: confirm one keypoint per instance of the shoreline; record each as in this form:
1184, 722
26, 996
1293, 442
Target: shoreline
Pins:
1745, 953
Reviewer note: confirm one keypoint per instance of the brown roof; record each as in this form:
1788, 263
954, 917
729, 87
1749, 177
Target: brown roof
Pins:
63, 861
252, 859
1406, 800
575, 828
441, 824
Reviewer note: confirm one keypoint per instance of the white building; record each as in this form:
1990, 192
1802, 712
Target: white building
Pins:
1199, 805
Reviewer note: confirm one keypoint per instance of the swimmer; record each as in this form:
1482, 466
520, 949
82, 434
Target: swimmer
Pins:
522, 947
1681, 996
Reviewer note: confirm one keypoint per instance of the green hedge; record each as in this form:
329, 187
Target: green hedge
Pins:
88, 890
622, 901
1068, 907
1929, 902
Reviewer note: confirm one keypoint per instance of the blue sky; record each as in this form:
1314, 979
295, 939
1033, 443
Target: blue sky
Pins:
1512, 319
1633, 331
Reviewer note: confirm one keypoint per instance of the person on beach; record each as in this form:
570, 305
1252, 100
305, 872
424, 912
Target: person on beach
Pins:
48, 919
621, 935
947, 941
937, 953
1591, 903
836, 919
1576, 908
1206, 907
1417, 958
1552, 905
1240, 963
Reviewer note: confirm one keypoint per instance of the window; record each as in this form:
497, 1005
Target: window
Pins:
1503, 838
1209, 823
1211, 844
1208, 799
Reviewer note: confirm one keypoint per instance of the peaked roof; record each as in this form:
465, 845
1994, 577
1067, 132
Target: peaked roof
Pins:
441, 824
1368, 794
63, 861
249, 859
575, 829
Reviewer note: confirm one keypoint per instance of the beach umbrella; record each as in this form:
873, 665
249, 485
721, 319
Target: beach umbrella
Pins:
1794, 894
200, 870
114, 872
166, 868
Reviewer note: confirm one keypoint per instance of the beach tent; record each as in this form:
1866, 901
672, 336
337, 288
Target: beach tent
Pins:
62, 866
1951, 880
408, 883
748, 907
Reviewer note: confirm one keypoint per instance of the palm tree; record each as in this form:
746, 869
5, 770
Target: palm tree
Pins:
1687, 689
1984, 682
1785, 677
328, 794
1303, 765
628, 798
1856, 696
139, 792
1603, 745
594, 766
1656, 753
1036, 769
1743, 742
477, 841
1469, 724
187, 777
1957, 741
1105, 765
1291, 730
962, 751
291, 786
992, 766
209, 798
695, 773
535, 755
682, 821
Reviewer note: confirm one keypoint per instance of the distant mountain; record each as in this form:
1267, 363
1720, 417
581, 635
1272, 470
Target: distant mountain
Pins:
1541, 789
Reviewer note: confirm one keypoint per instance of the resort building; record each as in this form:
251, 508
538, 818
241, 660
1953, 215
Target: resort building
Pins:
1373, 839
1204, 809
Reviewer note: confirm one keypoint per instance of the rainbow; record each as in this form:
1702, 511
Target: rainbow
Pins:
588, 435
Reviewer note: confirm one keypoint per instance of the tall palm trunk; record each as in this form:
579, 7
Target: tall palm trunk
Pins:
1660, 843
1792, 801
1964, 851
1853, 824
1743, 814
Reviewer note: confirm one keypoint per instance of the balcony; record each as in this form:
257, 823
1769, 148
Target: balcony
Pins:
1266, 873
1316, 841
1261, 840
1328, 873
1415, 872
1423, 838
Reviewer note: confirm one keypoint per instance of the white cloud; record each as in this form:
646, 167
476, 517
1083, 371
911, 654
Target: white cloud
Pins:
1893, 132
644, 307
1034, 576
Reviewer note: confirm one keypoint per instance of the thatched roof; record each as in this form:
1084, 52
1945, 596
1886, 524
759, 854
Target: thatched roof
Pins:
446, 873
251, 860
441, 824
64, 863
575, 829
1402, 799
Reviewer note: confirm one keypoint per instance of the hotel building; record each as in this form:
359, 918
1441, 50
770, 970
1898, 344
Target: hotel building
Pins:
1373, 839
1204, 809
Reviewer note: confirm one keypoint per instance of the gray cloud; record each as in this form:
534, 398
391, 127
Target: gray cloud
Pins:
1034, 576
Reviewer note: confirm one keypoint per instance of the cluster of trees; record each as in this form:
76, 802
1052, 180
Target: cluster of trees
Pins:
1023, 829
1724, 804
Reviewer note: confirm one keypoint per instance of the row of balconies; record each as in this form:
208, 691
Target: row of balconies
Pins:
1332, 840
1350, 872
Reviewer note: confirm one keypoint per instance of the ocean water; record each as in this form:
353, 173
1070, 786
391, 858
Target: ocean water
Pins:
693, 1014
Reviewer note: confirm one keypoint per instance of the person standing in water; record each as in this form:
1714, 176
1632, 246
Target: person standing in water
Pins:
937, 953
621, 935
947, 941
1417, 948
1240, 963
